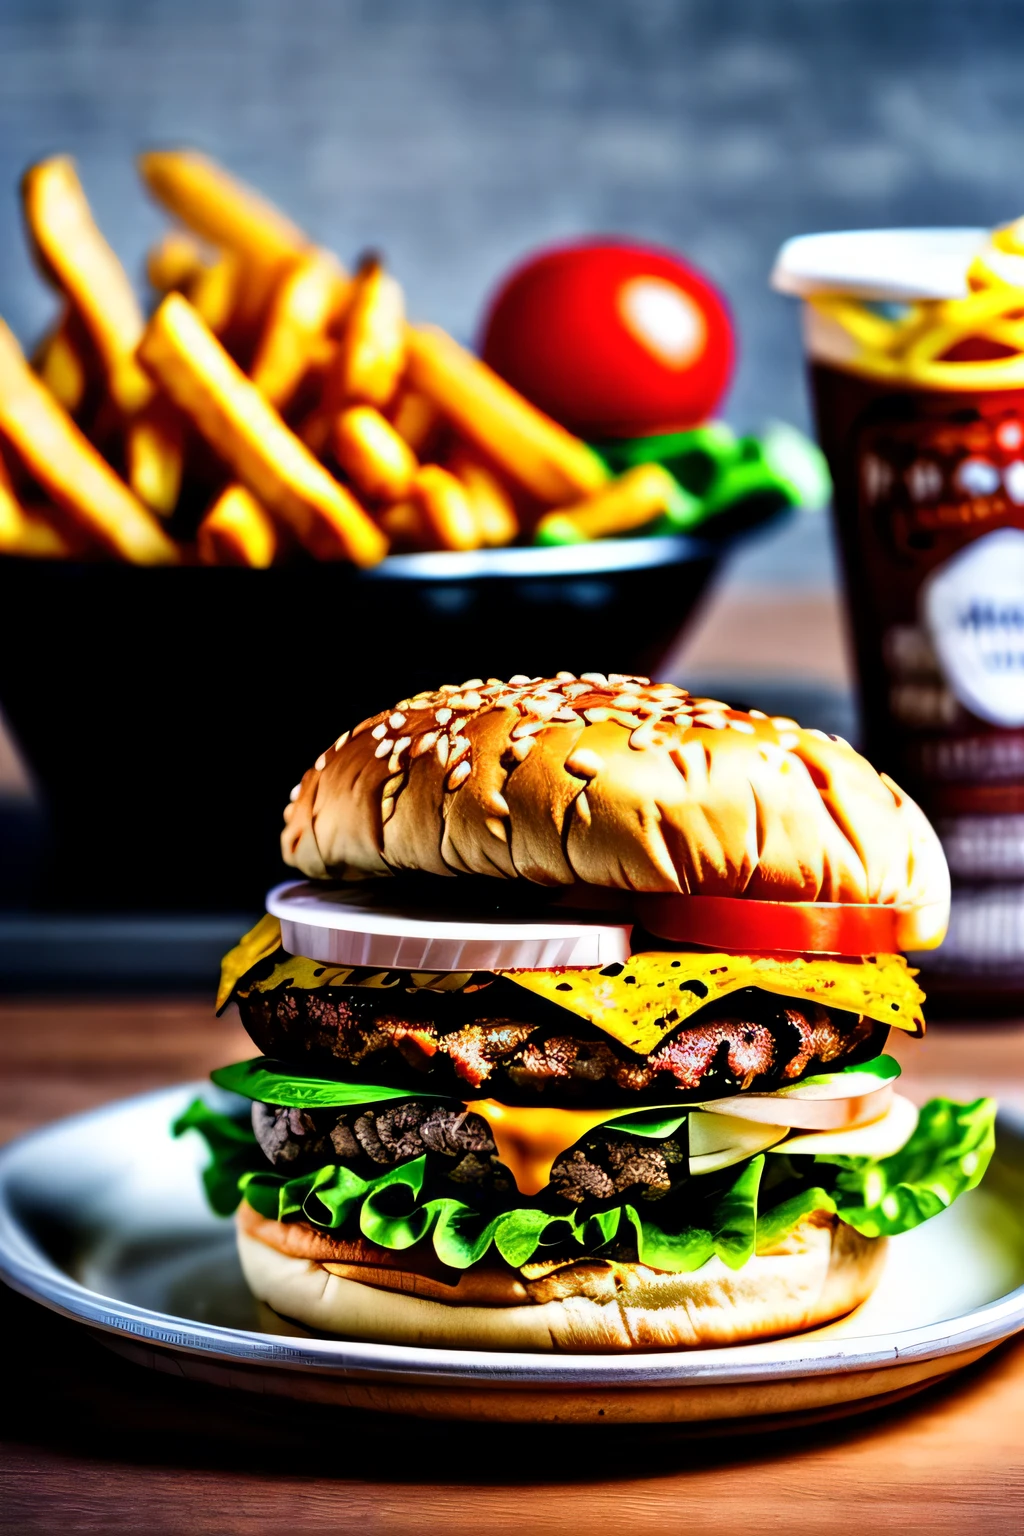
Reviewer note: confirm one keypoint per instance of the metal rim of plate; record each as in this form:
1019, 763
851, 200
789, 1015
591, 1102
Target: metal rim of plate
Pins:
25, 1267
359, 926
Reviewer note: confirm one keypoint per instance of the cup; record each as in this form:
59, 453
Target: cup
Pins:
915, 347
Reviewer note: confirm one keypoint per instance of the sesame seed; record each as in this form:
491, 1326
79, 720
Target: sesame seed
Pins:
584, 763
321, 763
565, 677
424, 744
788, 740
442, 750
379, 730
397, 721
473, 682
715, 722
818, 735
520, 680
598, 715
743, 726
472, 700
643, 736
384, 747
394, 783
758, 714
295, 792
387, 808
459, 774
783, 723
442, 716
564, 716
460, 749
401, 744
341, 740
593, 677
582, 808
457, 727
627, 701
522, 747
496, 827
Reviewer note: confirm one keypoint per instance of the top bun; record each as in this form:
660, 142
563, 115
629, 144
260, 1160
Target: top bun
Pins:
614, 781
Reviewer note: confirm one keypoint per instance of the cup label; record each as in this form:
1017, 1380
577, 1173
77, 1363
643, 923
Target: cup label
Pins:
973, 610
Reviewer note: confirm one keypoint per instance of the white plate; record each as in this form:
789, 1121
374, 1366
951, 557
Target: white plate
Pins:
102, 1218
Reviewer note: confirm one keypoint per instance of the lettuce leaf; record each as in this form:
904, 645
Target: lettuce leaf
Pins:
946, 1156
272, 1083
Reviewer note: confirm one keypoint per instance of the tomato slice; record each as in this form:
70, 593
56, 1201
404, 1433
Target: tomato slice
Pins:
804, 927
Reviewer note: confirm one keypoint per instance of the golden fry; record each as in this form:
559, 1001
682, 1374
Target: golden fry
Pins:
69, 468
628, 503
155, 452
220, 209
415, 418
444, 507
295, 337
214, 292
61, 366
380, 463
243, 427
371, 354
403, 524
237, 530
75, 256
174, 262
495, 515
535, 451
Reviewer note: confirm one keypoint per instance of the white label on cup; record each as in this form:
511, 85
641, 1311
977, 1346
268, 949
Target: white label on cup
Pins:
973, 609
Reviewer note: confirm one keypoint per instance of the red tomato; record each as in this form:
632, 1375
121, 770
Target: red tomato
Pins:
804, 927
612, 340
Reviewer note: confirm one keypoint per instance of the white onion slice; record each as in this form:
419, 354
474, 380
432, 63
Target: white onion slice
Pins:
356, 925
879, 1139
808, 1114
718, 1141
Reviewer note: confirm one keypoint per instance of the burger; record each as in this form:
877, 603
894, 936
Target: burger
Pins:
573, 1035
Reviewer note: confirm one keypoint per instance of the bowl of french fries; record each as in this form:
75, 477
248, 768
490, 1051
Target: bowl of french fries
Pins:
327, 497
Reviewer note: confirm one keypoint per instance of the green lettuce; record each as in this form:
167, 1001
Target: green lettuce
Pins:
271, 1083
946, 1156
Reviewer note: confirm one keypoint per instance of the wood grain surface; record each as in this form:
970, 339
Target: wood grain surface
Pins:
91, 1443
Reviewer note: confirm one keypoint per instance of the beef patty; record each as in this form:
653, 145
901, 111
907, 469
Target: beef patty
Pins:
502, 1042
461, 1150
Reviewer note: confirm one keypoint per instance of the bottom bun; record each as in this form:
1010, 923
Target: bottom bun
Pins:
822, 1270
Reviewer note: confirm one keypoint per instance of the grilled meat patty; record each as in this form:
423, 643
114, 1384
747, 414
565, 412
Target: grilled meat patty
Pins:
503, 1043
461, 1149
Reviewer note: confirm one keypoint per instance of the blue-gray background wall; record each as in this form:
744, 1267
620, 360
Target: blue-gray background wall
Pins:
457, 134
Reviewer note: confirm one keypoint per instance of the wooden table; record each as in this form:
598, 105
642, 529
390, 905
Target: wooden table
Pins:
90, 1443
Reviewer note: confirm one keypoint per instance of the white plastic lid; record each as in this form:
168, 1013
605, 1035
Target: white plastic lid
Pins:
879, 264
356, 925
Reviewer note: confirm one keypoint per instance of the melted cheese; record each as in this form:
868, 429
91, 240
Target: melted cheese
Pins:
530, 1139
650, 995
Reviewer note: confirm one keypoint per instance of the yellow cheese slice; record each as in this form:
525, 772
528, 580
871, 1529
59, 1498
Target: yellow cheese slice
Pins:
529, 1138
650, 995
251, 948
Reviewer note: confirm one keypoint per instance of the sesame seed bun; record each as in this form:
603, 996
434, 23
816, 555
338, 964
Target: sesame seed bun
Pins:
820, 1272
612, 781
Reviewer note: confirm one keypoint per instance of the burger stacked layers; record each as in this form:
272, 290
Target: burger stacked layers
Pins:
699, 1142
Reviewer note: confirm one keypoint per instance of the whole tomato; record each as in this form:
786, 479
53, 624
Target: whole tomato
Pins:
611, 339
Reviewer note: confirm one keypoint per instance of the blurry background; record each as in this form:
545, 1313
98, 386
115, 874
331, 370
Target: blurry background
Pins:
455, 135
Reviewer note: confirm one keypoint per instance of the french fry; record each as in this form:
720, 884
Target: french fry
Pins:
295, 337
71, 471
496, 519
533, 450
32, 535
221, 209
61, 366
371, 354
403, 524
379, 463
237, 530
75, 256
245, 430
174, 262
627, 504
415, 418
215, 290
443, 506
154, 454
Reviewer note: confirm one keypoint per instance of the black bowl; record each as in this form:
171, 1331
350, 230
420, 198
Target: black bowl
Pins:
166, 713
